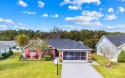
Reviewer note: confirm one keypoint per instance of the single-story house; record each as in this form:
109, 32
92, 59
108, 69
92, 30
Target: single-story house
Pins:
114, 42
4, 48
13, 45
67, 49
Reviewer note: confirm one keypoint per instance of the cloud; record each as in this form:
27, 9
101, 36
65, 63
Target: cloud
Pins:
21, 24
15, 26
28, 12
121, 9
56, 15
45, 15
22, 3
89, 18
92, 14
6, 21
3, 26
41, 4
67, 26
110, 17
78, 3
70, 27
90, 23
22, 28
110, 10
100, 9
75, 7
115, 27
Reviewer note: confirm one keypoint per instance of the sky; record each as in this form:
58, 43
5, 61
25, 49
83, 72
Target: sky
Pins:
108, 15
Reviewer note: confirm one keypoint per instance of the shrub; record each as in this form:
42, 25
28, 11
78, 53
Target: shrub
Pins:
48, 58
121, 57
5, 55
11, 52
2, 57
20, 57
60, 60
8, 54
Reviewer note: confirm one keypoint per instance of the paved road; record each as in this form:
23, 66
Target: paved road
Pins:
78, 70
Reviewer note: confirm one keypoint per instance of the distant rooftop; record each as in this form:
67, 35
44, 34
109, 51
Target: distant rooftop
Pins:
117, 40
3, 46
8, 43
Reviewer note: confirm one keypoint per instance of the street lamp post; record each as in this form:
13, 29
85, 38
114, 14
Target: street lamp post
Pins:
57, 67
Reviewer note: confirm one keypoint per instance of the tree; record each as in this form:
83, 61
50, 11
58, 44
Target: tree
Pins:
121, 57
108, 51
64, 34
41, 45
74, 35
55, 33
22, 40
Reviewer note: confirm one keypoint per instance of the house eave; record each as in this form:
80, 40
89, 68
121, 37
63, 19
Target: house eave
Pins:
76, 49
121, 46
99, 41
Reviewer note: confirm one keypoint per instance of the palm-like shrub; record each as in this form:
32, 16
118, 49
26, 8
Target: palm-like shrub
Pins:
121, 57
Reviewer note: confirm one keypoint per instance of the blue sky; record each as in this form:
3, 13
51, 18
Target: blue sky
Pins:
68, 15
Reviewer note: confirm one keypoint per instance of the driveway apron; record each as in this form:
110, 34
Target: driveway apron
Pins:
78, 70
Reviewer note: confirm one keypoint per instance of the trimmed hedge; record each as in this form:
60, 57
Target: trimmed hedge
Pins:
11, 52
121, 57
7, 54
47, 57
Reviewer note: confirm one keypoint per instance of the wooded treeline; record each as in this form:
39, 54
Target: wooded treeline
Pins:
88, 37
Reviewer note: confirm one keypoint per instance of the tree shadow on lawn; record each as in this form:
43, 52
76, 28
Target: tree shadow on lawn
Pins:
13, 65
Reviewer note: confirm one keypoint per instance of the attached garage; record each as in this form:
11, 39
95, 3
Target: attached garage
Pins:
74, 55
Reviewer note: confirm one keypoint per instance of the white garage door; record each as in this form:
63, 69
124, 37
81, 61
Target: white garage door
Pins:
74, 55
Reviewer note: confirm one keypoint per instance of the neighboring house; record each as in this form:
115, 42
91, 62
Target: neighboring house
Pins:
13, 45
4, 48
116, 42
68, 49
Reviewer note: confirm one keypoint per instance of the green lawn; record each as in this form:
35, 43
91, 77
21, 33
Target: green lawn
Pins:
117, 70
12, 68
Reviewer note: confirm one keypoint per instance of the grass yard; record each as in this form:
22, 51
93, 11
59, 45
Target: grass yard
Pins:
117, 70
12, 68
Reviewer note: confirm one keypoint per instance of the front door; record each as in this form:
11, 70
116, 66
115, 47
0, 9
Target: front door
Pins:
56, 53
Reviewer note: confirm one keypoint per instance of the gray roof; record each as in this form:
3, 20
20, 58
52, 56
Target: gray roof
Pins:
117, 40
3, 46
67, 44
9, 43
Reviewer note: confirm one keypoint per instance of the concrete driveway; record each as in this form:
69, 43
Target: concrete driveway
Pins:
78, 70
